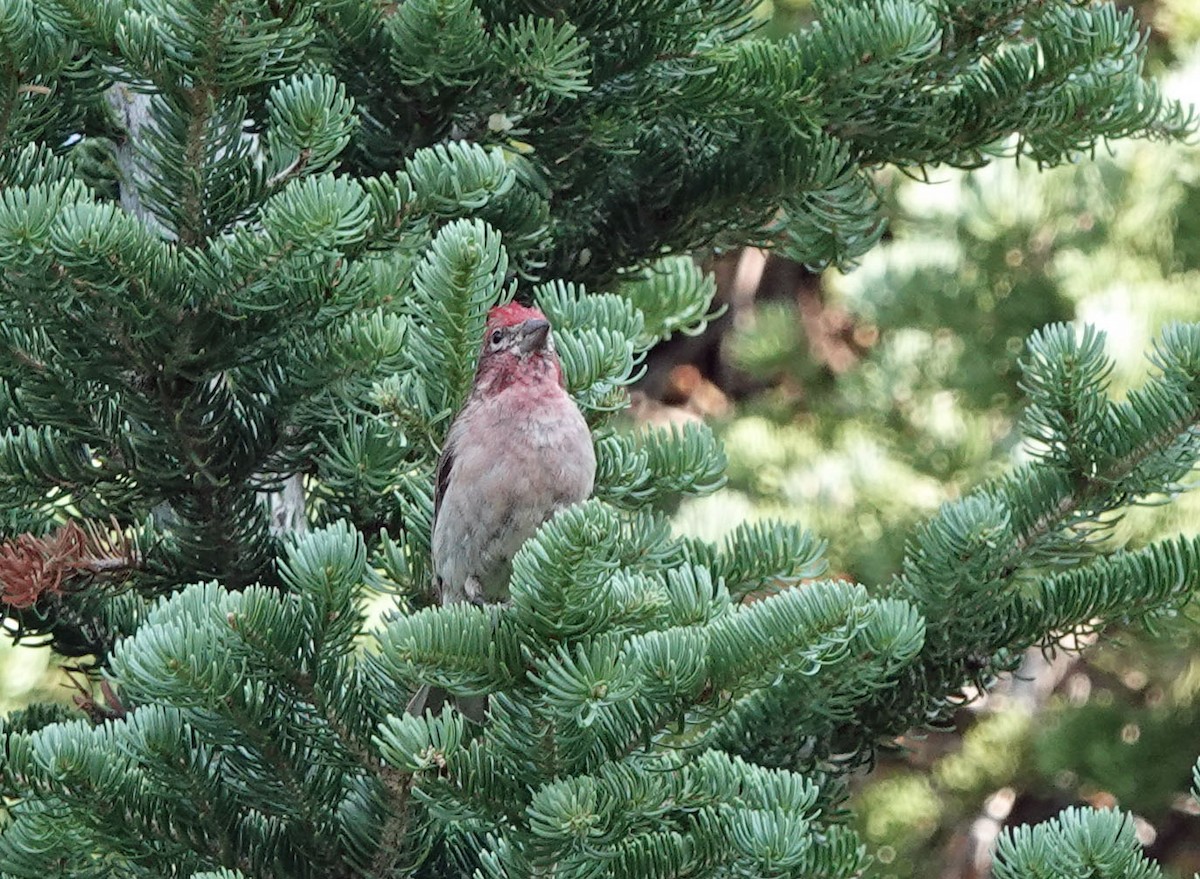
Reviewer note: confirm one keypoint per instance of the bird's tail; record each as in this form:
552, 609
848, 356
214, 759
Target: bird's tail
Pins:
432, 699
427, 698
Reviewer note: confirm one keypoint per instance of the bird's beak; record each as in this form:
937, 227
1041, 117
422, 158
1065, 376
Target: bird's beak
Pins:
535, 335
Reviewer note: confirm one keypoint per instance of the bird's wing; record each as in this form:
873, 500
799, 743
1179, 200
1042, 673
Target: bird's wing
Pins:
441, 480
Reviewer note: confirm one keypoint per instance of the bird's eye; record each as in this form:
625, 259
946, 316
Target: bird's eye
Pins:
497, 336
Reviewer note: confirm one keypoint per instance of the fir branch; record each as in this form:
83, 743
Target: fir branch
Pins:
1095, 489
1079, 841
199, 102
294, 169
394, 835
8, 100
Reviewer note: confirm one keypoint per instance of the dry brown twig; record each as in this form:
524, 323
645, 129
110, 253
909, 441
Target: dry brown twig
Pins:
66, 559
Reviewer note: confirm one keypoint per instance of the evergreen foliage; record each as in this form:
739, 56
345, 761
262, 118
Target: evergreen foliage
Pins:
245, 241
1079, 842
932, 405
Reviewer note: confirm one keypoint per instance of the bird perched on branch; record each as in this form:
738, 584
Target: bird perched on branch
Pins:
517, 452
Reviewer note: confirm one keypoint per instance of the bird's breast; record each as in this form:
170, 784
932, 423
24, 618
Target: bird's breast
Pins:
524, 454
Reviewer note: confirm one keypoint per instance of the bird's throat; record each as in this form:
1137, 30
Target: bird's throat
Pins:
508, 372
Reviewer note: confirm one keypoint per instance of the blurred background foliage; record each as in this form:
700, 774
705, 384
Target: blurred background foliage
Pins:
858, 403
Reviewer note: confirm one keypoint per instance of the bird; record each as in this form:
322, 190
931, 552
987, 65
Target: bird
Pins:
517, 452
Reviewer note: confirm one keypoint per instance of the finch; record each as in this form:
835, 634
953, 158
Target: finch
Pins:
517, 452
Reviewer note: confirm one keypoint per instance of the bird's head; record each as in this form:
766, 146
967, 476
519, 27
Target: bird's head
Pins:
518, 345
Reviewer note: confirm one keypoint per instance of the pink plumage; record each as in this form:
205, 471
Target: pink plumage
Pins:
518, 451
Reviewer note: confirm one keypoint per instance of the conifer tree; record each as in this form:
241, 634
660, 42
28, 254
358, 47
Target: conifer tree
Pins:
247, 247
